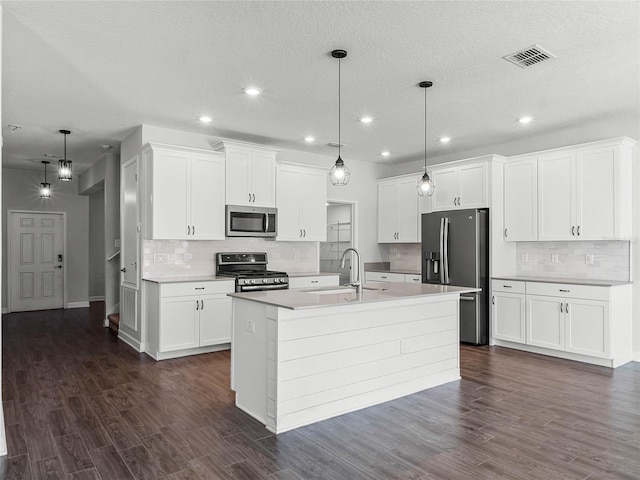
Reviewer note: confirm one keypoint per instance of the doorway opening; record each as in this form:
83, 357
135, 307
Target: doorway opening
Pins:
340, 236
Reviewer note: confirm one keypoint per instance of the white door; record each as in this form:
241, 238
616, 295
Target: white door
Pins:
288, 204
263, 181
521, 200
587, 327
313, 198
555, 197
546, 319
596, 189
387, 219
509, 317
130, 215
472, 186
207, 198
35, 261
407, 211
445, 194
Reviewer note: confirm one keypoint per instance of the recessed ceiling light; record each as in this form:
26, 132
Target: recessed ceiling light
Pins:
385, 153
525, 119
366, 119
309, 139
253, 91
205, 119
445, 139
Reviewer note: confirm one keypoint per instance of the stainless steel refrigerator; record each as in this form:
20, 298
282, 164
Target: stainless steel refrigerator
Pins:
455, 251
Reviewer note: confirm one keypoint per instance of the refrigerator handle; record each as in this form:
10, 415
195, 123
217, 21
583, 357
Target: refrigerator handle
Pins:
441, 243
446, 250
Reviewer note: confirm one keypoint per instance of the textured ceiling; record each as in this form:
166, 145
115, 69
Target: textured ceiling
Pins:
101, 68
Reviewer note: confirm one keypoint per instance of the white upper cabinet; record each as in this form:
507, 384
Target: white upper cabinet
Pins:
184, 193
398, 215
521, 199
250, 174
458, 187
301, 202
584, 192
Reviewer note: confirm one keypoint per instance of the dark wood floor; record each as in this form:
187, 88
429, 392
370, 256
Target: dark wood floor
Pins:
80, 404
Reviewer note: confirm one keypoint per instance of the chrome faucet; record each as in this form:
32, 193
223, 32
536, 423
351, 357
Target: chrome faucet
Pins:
357, 283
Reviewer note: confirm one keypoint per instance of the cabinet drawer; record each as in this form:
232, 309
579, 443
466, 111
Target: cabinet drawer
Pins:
196, 288
587, 292
511, 286
384, 277
316, 281
412, 278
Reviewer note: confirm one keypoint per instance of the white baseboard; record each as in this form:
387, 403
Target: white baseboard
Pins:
99, 298
636, 356
78, 305
132, 342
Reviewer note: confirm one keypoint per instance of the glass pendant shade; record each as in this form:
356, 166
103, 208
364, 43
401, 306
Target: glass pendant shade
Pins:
339, 173
425, 186
64, 170
64, 165
45, 188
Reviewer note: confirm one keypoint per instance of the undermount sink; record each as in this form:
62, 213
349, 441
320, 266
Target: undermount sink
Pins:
333, 291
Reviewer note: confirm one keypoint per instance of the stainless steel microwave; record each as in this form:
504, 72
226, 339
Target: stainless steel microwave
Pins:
243, 221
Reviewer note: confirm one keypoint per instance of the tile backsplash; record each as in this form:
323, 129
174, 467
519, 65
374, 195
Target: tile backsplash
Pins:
167, 258
405, 257
611, 260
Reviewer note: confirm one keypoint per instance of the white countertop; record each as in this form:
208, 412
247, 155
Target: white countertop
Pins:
301, 299
565, 281
188, 278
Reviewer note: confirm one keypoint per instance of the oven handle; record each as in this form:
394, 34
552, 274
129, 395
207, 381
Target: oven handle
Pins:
253, 288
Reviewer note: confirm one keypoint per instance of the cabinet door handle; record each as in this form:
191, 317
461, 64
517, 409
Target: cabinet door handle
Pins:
188, 229
573, 228
304, 230
506, 233
197, 305
254, 197
578, 229
201, 304
566, 291
493, 300
382, 276
507, 286
193, 230
300, 233
455, 201
199, 288
459, 201
566, 307
561, 307
249, 198
314, 281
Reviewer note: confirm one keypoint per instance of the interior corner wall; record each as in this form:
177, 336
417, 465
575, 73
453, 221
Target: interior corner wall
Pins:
96, 244
20, 191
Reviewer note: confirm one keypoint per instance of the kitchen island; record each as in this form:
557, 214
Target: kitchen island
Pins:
301, 356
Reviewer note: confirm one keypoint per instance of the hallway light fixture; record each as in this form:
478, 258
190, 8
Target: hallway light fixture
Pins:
45, 188
425, 185
339, 173
64, 165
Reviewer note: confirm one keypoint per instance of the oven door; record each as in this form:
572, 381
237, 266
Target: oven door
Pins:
244, 221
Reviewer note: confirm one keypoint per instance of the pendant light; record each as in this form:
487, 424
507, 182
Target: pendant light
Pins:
339, 173
425, 185
64, 165
45, 188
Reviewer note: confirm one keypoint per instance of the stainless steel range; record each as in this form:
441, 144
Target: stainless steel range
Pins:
250, 272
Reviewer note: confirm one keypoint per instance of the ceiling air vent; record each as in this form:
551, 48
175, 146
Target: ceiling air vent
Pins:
529, 56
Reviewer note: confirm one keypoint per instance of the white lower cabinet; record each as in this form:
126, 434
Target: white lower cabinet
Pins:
187, 318
508, 305
579, 322
312, 281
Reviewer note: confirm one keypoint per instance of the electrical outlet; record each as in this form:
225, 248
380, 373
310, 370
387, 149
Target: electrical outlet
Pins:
160, 258
555, 258
588, 259
117, 243
251, 326
524, 257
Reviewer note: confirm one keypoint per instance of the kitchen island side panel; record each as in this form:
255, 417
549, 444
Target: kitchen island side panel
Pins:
327, 362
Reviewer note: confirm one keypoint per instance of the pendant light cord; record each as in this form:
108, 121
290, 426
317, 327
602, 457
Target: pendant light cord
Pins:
65, 147
339, 109
425, 130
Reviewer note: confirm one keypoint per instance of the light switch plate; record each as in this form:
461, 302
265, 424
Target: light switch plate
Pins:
524, 257
555, 258
588, 259
160, 258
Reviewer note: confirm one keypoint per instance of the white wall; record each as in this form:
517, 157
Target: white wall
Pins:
20, 191
96, 244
